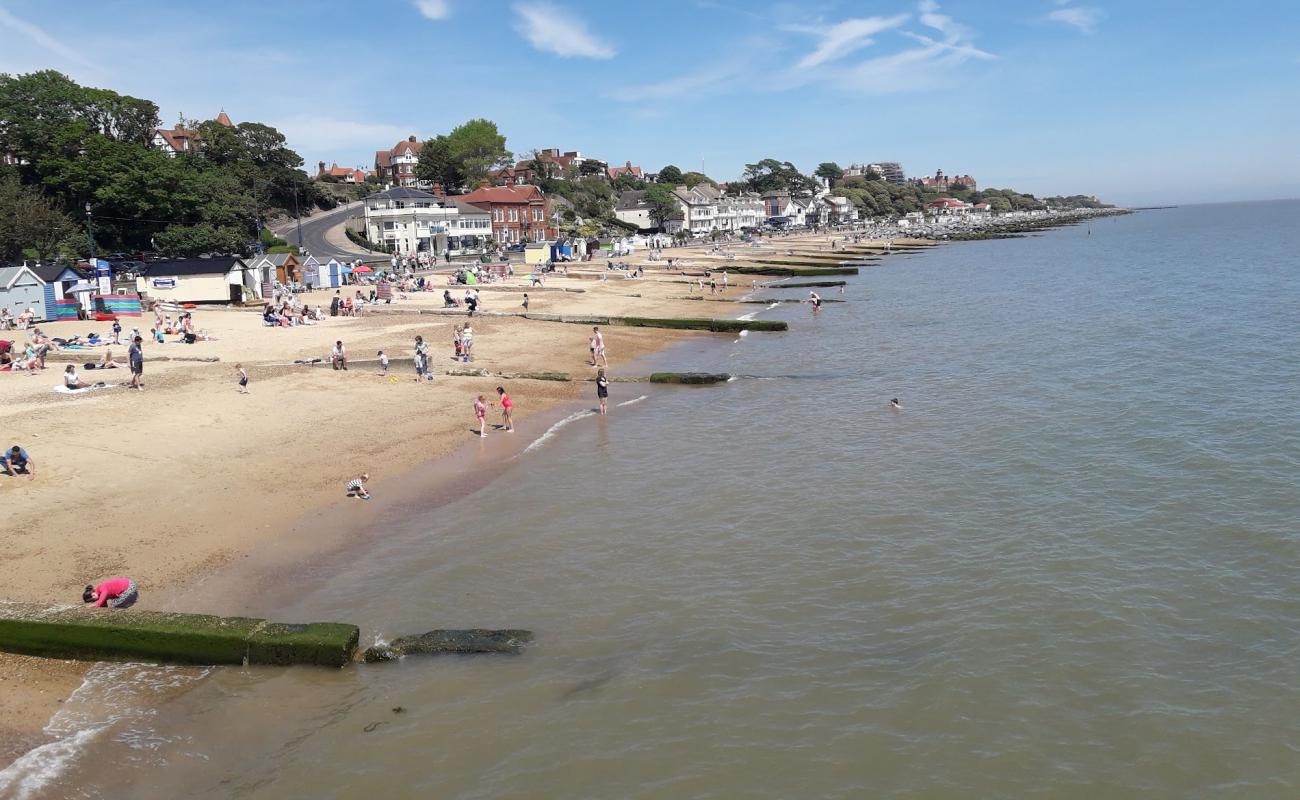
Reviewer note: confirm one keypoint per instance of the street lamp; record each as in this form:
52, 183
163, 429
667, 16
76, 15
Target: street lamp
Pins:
90, 234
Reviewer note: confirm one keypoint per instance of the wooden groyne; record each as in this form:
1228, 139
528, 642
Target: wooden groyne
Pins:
96, 634
675, 323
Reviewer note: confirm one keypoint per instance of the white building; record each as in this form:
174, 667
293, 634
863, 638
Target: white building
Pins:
412, 221
699, 207
634, 210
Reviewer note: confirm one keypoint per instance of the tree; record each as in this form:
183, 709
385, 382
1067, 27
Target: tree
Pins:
591, 168
693, 179
830, 171
772, 175
436, 165
670, 175
627, 182
196, 240
477, 148
664, 205
29, 220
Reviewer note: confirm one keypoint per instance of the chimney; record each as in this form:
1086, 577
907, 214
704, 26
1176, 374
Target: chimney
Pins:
410, 138
320, 168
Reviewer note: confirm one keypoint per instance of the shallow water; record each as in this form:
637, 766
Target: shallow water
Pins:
1067, 569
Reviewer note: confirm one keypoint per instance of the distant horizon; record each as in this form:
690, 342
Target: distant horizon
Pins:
1154, 105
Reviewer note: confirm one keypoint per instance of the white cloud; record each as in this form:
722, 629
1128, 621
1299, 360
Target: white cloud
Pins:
551, 29
706, 80
931, 65
44, 40
1084, 18
845, 37
434, 9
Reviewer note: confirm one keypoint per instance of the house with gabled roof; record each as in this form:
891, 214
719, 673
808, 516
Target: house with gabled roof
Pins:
180, 139
396, 166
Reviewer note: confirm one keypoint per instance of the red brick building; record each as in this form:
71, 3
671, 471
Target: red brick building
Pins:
519, 213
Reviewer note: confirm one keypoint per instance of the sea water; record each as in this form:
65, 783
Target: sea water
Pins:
1067, 568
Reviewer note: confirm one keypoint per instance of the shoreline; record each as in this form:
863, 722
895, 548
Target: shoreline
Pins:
250, 523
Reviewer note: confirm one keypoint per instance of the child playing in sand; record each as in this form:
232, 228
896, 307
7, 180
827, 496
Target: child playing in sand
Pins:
480, 413
242, 376
383, 363
357, 487
525, 303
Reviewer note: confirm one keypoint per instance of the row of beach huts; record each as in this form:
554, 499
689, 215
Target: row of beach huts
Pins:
60, 291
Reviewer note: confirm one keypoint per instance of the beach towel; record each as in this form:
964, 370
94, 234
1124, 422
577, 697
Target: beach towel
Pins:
91, 388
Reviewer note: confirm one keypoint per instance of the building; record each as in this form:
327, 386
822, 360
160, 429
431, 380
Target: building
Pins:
739, 212
343, 174
946, 206
945, 183
21, 289
518, 213
180, 139
839, 210
614, 173
396, 166
890, 171
282, 268
410, 221
632, 208
699, 207
221, 279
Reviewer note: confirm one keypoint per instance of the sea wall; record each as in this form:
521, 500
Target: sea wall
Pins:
96, 634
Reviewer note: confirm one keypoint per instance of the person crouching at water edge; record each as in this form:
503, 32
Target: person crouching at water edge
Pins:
113, 593
816, 301
357, 487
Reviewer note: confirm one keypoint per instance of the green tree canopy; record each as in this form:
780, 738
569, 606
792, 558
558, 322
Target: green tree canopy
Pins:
436, 165
693, 179
670, 175
830, 171
29, 220
477, 148
771, 175
663, 204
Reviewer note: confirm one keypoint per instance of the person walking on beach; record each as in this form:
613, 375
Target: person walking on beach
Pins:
383, 362
507, 405
467, 343
112, 593
602, 391
525, 303
242, 375
135, 354
598, 346
117, 331
480, 413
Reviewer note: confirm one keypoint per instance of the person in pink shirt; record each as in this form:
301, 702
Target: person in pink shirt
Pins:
112, 593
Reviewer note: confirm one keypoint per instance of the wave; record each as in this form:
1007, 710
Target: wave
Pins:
551, 431
633, 400
111, 695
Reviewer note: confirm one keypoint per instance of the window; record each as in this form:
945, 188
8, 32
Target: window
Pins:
388, 226
399, 204
537, 215
514, 215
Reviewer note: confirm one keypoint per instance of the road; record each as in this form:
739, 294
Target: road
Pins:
321, 240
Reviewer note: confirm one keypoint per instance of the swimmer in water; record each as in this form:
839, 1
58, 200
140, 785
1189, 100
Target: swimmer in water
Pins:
895, 405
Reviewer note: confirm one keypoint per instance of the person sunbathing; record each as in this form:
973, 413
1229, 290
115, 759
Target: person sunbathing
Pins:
106, 360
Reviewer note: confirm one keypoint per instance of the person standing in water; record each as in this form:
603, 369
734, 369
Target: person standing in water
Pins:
602, 391
507, 405
895, 405
816, 301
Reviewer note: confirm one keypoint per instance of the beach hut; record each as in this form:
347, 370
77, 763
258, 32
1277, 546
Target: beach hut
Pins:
537, 253
282, 267
311, 272
221, 279
333, 273
21, 289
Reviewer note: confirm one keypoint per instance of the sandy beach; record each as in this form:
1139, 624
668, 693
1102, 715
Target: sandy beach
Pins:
187, 477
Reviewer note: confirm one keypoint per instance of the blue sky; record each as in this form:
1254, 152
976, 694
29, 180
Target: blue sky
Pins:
1139, 102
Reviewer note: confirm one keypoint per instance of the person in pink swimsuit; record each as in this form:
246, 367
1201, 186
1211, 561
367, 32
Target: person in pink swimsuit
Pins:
480, 413
112, 593
506, 406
